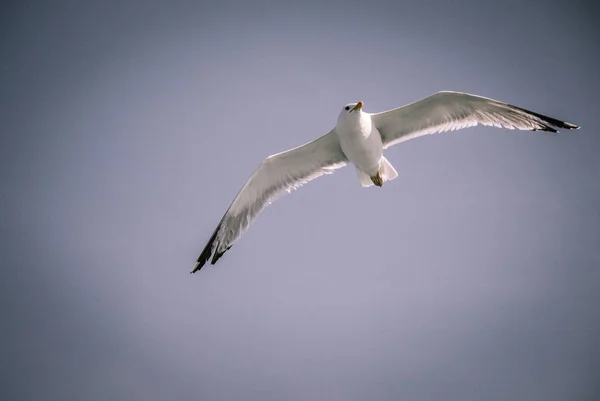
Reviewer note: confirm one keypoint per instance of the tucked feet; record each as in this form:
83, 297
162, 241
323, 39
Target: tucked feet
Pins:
377, 179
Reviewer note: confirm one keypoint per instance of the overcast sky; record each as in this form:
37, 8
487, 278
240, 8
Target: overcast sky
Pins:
128, 127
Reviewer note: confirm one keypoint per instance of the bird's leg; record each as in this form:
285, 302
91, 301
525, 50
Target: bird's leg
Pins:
377, 179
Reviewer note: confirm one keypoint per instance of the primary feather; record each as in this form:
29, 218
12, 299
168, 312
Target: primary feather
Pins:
276, 175
451, 111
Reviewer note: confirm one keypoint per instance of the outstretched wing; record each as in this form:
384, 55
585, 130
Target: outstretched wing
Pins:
450, 111
276, 175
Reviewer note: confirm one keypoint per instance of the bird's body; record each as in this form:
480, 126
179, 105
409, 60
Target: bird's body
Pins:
360, 138
360, 141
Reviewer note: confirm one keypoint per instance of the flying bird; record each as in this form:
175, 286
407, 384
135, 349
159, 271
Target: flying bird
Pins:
360, 138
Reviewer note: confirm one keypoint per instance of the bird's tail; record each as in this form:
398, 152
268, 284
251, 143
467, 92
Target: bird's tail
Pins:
387, 171
364, 178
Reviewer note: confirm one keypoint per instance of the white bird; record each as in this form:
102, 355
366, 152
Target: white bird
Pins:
360, 138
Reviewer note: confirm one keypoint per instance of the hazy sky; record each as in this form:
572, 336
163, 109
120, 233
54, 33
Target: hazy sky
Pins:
128, 127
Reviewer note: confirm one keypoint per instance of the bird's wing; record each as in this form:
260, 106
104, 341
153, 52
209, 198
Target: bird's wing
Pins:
450, 111
276, 175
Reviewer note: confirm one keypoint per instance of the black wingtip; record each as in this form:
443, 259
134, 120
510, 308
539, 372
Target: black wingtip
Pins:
217, 256
551, 121
206, 252
547, 129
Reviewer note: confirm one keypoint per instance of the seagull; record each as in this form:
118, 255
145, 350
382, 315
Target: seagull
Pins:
360, 138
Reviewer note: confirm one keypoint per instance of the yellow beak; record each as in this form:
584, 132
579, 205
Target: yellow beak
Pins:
357, 107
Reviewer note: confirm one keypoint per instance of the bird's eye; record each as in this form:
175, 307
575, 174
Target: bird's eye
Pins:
347, 107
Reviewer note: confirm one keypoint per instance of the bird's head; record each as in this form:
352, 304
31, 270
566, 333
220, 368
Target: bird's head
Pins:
350, 112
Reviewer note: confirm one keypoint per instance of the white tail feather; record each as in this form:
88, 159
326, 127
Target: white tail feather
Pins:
388, 173
364, 178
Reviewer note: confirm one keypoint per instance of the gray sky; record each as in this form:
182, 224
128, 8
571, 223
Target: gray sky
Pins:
128, 127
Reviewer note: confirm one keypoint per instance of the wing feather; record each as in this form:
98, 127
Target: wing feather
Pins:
277, 175
451, 111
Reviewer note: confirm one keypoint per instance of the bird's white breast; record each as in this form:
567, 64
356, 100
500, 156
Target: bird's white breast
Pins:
361, 143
